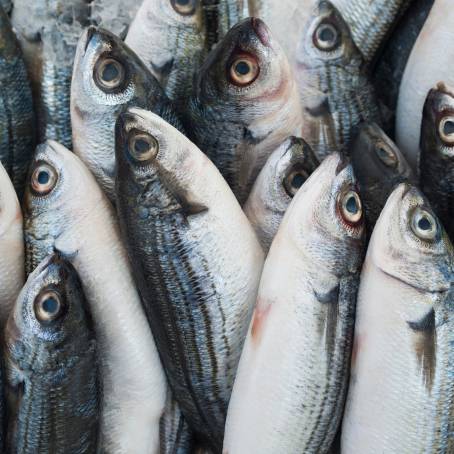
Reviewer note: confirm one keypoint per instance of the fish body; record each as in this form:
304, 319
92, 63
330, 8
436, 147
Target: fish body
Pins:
292, 379
16, 108
108, 76
66, 211
51, 365
238, 119
401, 391
11, 247
336, 93
429, 64
437, 154
196, 260
379, 167
284, 173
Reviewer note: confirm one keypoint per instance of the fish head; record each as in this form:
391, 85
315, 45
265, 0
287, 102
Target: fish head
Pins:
10, 212
437, 128
409, 243
247, 68
49, 322
330, 228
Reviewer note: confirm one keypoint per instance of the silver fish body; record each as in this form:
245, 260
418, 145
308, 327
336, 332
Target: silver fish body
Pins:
401, 393
437, 154
335, 90
284, 173
51, 365
196, 260
11, 247
66, 211
238, 119
379, 167
108, 77
292, 379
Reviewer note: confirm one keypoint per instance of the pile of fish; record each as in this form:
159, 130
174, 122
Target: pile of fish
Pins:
226, 225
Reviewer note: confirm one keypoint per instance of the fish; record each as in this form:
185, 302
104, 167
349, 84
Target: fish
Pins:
51, 365
371, 21
336, 93
17, 138
379, 167
196, 260
48, 32
108, 77
238, 116
285, 171
401, 390
12, 272
428, 64
437, 154
292, 379
67, 212
389, 69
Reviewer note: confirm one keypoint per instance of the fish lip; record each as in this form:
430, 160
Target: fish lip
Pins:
344, 161
89, 33
261, 30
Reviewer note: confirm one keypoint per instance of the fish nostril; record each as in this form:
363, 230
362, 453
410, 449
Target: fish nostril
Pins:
261, 31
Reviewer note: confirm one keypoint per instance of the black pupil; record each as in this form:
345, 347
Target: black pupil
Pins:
183, 2
43, 177
448, 127
424, 224
351, 205
141, 146
110, 72
298, 180
327, 34
50, 305
242, 68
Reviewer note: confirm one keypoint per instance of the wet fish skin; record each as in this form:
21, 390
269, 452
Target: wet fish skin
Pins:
379, 167
16, 108
11, 247
197, 269
51, 365
335, 90
293, 374
71, 214
284, 172
238, 127
437, 156
95, 108
403, 335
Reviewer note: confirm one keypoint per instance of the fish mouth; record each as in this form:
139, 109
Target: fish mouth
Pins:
261, 30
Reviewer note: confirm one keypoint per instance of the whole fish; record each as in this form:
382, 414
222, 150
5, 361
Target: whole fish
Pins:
245, 104
48, 32
401, 393
11, 247
390, 67
283, 174
379, 167
437, 154
371, 21
292, 379
336, 93
196, 260
51, 365
65, 210
429, 64
108, 76
16, 108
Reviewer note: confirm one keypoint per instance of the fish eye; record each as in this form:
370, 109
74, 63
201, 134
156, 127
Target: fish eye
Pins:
350, 207
109, 74
48, 306
326, 37
294, 180
244, 70
446, 130
386, 155
143, 147
424, 225
184, 7
44, 178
